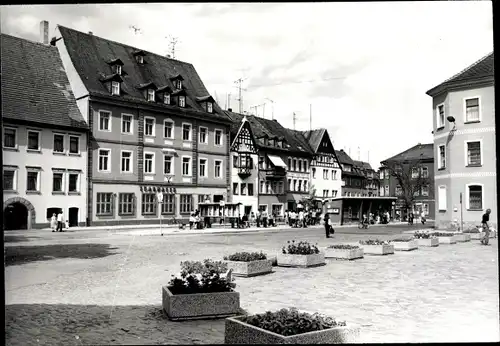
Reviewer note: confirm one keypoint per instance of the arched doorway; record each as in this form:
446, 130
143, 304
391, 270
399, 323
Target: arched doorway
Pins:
18, 213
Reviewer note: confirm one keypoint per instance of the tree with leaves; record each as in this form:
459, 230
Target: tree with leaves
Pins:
309, 202
408, 175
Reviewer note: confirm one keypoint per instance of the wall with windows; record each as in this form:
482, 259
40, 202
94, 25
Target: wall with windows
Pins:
244, 188
326, 180
47, 167
465, 156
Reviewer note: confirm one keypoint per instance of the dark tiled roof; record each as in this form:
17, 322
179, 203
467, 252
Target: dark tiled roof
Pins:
90, 55
272, 129
482, 70
34, 85
419, 151
344, 158
314, 137
363, 165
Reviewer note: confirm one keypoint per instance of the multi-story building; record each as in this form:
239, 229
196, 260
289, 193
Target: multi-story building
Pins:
370, 184
44, 138
464, 143
156, 131
352, 178
414, 169
326, 173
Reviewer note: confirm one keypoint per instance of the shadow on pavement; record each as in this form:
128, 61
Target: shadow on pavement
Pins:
17, 255
60, 324
17, 238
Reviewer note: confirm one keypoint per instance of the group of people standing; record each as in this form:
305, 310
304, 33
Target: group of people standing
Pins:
57, 223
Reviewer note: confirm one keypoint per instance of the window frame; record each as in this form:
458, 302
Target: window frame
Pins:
440, 125
167, 96
15, 147
206, 134
182, 101
221, 169
131, 124
150, 92
206, 167
210, 107
182, 203
69, 144
442, 206
467, 196
54, 134
117, 69
441, 167
131, 203
221, 137
172, 171
114, 87
154, 203
190, 132
171, 199
14, 178
478, 106
99, 115
39, 140
111, 209
131, 165
424, 190
38, 180
171, 122
63, 185
153, 166
78, 184
153, 134
466, 156
99, 160
190, 166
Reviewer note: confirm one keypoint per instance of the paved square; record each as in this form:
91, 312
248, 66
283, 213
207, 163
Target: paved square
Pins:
104, 288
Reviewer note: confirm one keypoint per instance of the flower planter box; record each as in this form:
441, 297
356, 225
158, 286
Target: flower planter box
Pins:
385, 249
476, 236
462, 237
200, 305
344, 254
252, 268
405, 245
313, 260
447, 240
238, 332
432, 242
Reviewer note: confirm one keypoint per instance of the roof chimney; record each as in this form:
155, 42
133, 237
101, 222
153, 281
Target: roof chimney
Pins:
91, 33
44, 32
230, 109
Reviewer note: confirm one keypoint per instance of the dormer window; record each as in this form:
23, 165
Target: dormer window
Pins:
178, 84
118, 69
210, 107
139, 59
115, 88
182, 101
151, 95
166, 98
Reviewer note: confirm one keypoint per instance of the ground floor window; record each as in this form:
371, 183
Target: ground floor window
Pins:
262, 207
148, 204
52, 211
126, 203
475, 193
186, 203
168, 204
277, 209
104, 203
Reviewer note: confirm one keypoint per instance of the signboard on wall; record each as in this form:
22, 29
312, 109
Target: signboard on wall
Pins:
333, 210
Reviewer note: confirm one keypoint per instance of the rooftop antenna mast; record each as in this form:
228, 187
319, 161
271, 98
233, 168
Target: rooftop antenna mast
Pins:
240, 100
136, 29
310, 117
294, 118
228, 101
171, 45
272, 110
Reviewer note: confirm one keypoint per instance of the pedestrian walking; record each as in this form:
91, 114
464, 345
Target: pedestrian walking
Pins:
264, 218
486, 227
53, 222
60, 220
328, 227
422, 217
301, 218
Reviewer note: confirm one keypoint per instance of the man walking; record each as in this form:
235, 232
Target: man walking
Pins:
301, 218
486, 227
327, 225
60, 220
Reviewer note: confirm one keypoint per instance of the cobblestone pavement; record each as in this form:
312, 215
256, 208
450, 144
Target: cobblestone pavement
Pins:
443, 294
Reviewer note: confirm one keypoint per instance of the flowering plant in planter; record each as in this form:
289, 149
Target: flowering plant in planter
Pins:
423, 235
300, 248
472, 230
198, 277
441, 234
373, 242
246, 256
343, 247
291, 322
403, 240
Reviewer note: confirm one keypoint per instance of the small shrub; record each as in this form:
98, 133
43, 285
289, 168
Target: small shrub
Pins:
289, 322
373, 242
198, 277
402, 240
472, 230
441, 234
343, 247
300, 248
423, 235
246, 256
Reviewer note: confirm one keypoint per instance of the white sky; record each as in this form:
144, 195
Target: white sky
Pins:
378, 58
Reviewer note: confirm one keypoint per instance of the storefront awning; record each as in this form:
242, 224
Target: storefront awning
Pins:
164, 189
277, 161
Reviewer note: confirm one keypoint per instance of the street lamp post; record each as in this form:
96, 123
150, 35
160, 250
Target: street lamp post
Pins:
451, 119
159, 196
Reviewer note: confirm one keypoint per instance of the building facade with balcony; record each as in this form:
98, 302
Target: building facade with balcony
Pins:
155, 130
412, 169
465, 146
44, 138
326, 172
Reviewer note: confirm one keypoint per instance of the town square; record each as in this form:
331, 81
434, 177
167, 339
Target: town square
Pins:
249, 173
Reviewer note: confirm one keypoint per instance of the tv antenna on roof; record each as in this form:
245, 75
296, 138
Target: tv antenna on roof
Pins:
136, 29
173, 42
239, 81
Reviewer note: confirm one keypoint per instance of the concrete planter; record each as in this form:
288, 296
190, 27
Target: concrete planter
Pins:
313, 260
248, 269
405, 245
344, 254
431, 242
385, 249
238, 332
200, 305
476, 236
447, 240
462, 237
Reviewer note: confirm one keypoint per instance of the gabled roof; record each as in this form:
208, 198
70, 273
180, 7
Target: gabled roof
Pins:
314, 137
363, 165
343, 157
90, 54
417, 152
482, 71
34, 85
